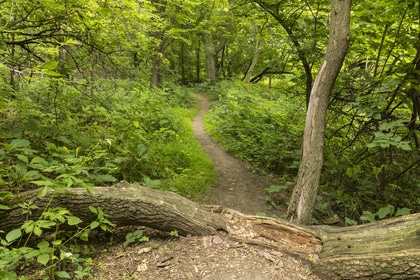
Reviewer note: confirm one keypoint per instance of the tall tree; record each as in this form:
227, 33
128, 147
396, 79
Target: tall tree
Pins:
302, 24
306, 188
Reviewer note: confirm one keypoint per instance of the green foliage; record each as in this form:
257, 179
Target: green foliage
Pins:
135, 236
49, 254
174, 233
259, 125
271, 189
72, 141
134, 135
384, 213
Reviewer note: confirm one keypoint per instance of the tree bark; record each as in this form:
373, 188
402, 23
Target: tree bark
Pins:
306, 188
388, 249
126, 204
155, 74
211, 52
253, 62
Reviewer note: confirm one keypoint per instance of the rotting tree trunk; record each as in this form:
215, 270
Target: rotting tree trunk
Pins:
126, 204
388, 249
306, 189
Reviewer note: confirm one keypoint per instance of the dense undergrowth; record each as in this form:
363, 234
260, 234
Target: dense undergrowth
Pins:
55, 136
258, 125
370, 171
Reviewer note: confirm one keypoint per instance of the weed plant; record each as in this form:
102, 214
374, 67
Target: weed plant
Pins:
55, 136
259, 125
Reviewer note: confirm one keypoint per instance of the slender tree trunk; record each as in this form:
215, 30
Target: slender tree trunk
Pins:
155, 78
211, 52
198, 63
210, 56
253, 63
414, 94
306, 188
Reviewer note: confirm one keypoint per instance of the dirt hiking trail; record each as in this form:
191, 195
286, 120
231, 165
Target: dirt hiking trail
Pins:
238, 188
211, 257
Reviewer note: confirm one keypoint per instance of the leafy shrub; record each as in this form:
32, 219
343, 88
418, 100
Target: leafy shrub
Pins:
258, 125
77, 141
54, 137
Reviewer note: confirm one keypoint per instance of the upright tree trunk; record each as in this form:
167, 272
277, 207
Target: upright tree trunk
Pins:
155, 77
306, 188
211, 57
198, 63
253, 63
414, 94
211, 51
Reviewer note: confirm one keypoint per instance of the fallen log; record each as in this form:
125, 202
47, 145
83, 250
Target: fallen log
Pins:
389, 249
125, 204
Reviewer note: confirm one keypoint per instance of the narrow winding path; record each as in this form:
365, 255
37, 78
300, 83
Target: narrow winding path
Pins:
211, 257
238, 187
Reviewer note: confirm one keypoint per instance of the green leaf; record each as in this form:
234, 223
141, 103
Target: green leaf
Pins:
73, 221
42, 192
272, 189
368, 216
37, 231
403, 211
141, 150
45, 224
4, 194
4, 207
52, 73
63, 274
23, 158
43, 245
38, 162
350, 221
20, 143
13, 235
32, 254
94, 224
50, 65
43, 258
43, 183
385, 211
93, 209
28, 226
57, 242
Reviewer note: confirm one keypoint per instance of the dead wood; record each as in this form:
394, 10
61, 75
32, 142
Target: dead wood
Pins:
388, 249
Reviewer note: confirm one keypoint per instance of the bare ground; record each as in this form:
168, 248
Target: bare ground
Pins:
212, 257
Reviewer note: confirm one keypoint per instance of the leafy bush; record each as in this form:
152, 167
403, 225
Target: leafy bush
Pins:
259, 125
54, 137
77, 141
369, 160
